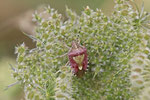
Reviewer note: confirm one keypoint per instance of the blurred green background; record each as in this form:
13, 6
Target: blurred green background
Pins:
16, 16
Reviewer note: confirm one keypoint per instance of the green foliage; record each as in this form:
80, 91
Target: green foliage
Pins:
113, 44
13, 93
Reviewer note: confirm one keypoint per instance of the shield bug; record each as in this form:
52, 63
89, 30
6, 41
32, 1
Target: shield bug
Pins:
78, 59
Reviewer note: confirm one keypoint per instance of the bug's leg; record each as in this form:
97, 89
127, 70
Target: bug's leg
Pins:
66, 46
64, 54
67, 63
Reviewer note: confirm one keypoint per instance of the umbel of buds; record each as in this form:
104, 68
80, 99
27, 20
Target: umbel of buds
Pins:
78, 59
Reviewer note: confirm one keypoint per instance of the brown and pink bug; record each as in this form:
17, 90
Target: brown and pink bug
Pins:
78, 59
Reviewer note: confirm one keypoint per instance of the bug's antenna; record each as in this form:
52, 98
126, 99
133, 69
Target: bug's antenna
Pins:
78, 39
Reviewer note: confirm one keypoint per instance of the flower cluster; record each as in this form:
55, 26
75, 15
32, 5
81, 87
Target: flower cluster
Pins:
117, 64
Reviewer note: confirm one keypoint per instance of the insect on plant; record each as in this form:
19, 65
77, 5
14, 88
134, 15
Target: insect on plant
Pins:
77, 56
112, 47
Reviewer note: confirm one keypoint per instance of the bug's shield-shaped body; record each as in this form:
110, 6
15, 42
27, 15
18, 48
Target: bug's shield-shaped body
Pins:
78, 59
